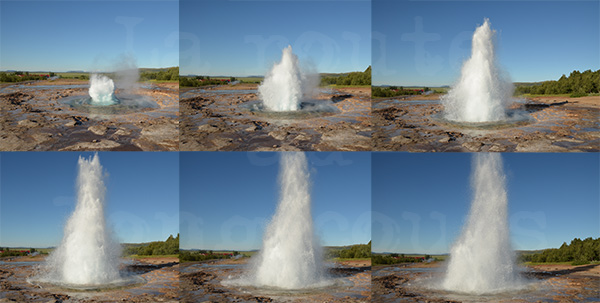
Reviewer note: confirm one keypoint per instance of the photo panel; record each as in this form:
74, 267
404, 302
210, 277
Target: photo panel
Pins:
485, 76
89, 75
275, 75
275, 226
89, 226
469, 227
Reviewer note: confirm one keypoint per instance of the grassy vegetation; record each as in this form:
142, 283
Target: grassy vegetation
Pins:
152, 256
394, 258
578, 252
198, 81
170, 74
394, 91
81, 76
577, 84
345, 253
19, 76
347, 79
351, 259
358, 251
347, 86
22, 251
256, 80
203, 255
157, 248
353, 79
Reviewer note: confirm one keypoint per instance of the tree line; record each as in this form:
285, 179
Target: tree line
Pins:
169, 74
353, 78
577, 84
198, 81
394, 91
203, 255
7, 252
23, 76
158, 248
354, 251
395, 258
578, 252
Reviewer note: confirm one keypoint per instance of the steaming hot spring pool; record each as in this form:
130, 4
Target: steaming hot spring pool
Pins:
130, 277
216, 281
422, 284
143, 279
308, 109
58, 115
76, 99
514, 118
418, 124
126, 103
236, 119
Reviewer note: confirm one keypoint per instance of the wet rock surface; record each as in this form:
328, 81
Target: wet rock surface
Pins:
215, 120
406, 283
201, 282
34, 118
162, 285
556, 126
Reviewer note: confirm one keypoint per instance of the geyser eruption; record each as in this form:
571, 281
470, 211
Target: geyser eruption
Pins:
102, 90
283, 86
291, 256
482, 92
482, 260
87, 255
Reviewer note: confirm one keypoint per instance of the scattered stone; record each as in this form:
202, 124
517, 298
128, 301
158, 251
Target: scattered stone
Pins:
401, 140
279, 134
71, 123
28, 123
98, 145
221, 142
537, 145
123, 132
99, 130
302, 137
497, 148
473, 146
253, 128
208, 128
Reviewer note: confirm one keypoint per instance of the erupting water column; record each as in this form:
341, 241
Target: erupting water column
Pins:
482, 92
102, 90
282, 88
87, 254
291, 256
482, 260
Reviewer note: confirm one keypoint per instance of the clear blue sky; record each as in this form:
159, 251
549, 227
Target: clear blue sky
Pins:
242, 38
38, 195
537, 40
87, 35
227, 198
421, 200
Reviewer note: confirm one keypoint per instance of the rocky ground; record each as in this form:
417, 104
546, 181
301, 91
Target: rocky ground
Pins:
216, 121
203, 284
550, 283
32, 117
162, 284
557, 125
